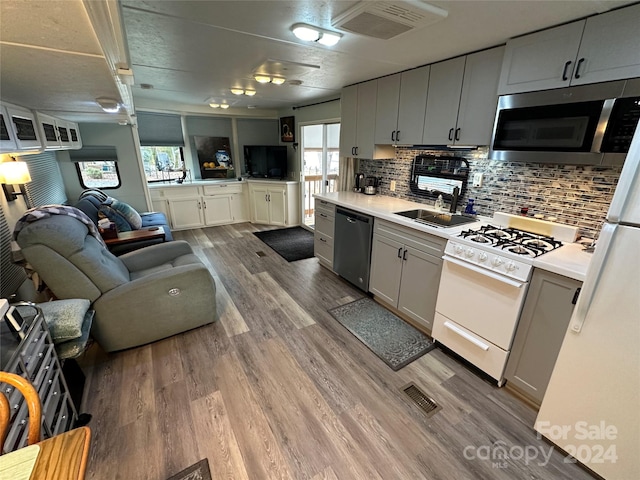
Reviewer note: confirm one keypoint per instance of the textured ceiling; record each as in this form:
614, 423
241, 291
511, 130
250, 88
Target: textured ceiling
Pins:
191, 51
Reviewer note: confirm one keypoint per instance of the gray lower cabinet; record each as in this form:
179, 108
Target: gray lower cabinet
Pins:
543, 324
325, 216
405, 270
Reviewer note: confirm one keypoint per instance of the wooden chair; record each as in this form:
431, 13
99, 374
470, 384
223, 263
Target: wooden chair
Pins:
33, 405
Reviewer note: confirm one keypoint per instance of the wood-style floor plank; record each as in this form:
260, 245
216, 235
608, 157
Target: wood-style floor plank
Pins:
278, 389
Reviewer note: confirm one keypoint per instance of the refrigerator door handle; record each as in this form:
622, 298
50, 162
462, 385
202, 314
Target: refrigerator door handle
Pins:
597, 262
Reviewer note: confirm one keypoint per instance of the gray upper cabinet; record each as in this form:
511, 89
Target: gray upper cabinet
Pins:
443, 100
358, 112
462, 99
598, 49
610, 47
479, 99
400, 108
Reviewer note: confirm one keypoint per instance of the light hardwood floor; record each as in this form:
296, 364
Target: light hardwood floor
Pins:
278, 389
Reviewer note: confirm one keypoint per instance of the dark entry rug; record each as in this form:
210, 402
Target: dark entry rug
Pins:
292, 244
197, 471
396, 342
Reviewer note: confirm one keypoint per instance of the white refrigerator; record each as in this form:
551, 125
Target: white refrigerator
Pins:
591, 408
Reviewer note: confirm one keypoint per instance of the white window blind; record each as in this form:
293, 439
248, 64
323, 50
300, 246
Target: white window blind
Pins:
11, 275
160, 130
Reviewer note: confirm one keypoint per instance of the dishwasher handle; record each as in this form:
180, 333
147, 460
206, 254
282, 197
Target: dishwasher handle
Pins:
352, 216
351, 220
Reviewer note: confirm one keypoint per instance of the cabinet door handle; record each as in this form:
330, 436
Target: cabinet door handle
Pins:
323, 240
580, 62
393, 135
397, 135
564, 72
323, 215
353, 150
199, 206
400, 252
457, 136
204, 204
357, 150
265, 198
451, 134
269, 197
404, 255
575, 296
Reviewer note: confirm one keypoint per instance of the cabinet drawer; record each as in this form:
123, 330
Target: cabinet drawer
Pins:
325, 207
424, 242
324, 224
175, 192
482, 353
323, 247
222, 188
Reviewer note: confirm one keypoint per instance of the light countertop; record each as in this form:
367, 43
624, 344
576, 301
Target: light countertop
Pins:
381, 206
570, 260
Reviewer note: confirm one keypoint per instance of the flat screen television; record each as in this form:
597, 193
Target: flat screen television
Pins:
266, 161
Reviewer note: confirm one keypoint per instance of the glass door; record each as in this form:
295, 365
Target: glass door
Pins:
320, 159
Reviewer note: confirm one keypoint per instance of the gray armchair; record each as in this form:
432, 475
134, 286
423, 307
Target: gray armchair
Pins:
138, 298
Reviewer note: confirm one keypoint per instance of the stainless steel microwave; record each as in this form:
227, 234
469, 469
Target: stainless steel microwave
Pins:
576, 125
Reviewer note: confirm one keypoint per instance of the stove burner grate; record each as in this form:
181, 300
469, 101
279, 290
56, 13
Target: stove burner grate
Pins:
512, 240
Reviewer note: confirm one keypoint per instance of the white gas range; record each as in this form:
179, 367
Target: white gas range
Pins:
485, 276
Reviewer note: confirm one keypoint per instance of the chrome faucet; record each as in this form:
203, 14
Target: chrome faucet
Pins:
454, 200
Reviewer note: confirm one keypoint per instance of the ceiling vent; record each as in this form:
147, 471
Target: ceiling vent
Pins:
385, 20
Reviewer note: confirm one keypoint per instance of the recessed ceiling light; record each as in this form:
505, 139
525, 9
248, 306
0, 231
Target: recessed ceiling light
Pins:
329, 39
309, 33
277, 80
214, 105
109, 105
224, 106
249, 93
262, 78
237, 91
305, 32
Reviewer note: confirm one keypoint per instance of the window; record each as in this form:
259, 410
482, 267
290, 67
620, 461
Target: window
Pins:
101, 174
163, 163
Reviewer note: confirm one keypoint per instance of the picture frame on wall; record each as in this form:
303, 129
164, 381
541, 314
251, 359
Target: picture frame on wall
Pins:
287, 129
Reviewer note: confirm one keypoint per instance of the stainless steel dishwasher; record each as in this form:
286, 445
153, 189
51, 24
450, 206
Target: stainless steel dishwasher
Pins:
352, 246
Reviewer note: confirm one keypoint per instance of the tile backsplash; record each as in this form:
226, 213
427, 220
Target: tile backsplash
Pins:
575, 194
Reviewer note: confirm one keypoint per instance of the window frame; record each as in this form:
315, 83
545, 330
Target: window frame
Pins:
180, 179
80, 177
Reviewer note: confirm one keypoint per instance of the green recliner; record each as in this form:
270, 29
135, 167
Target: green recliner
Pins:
138, 298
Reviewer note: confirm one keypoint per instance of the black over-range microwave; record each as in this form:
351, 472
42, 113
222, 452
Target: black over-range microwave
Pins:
576, 125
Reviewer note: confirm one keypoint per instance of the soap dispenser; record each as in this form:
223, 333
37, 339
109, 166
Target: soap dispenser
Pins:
469, 208
439, 205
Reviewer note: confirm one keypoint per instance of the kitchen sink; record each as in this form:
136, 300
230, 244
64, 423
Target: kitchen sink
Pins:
436, 219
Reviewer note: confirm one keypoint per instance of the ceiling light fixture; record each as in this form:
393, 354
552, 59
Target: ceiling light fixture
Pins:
109, 105
224, 106
249, 93
214, 105
309, 33
277, 80
262, 78
237, 91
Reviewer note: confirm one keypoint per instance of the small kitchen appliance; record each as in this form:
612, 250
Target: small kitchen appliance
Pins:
371, 185
358, 185
492, 264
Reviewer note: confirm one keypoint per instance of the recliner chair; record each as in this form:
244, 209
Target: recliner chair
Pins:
139, 297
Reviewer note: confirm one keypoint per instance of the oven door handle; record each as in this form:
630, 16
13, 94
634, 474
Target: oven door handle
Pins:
482, 271
466, 336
